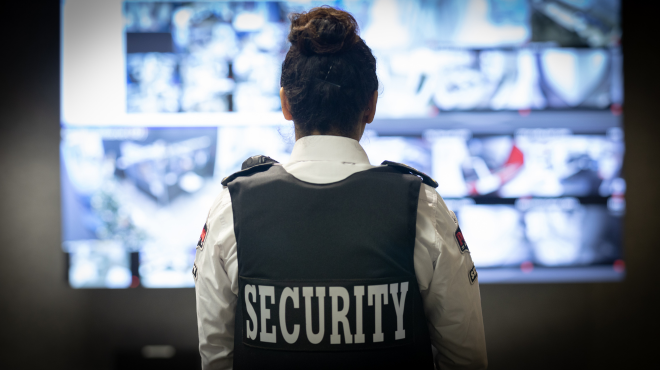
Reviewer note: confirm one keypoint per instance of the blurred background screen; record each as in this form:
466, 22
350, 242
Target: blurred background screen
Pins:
513, 106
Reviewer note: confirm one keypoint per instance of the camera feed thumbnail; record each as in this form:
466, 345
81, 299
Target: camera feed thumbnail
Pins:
205, 56
544, 232
134, 191
453, 55
530, 163
134, 199
425, 82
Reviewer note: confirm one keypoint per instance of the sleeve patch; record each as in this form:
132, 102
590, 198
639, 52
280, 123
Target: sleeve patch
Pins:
461, 240
472, 275
194, 271
202, 238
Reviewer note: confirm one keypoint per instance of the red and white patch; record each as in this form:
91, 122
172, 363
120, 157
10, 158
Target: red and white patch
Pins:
461, 240
202, 238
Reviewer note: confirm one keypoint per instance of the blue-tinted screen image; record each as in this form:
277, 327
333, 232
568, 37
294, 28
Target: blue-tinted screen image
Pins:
513, 106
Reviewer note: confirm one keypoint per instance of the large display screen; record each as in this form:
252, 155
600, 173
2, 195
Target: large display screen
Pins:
513, 106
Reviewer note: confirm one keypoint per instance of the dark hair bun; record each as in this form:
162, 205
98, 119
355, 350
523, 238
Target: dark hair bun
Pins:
329, 73
323, 30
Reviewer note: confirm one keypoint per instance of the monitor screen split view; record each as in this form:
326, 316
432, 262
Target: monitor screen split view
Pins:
513, 106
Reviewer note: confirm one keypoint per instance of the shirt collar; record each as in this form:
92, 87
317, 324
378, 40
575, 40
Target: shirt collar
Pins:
328, 148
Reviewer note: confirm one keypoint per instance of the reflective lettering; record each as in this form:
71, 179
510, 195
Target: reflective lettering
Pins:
378, 291
358, 291
266, 291
340, 316
344, 330
320, 294
251, 333
293, 294
399, 305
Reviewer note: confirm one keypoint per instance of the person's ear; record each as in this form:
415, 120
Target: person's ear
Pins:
285, 106
370, 112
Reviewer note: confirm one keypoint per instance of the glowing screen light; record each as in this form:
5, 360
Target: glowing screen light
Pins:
513, 106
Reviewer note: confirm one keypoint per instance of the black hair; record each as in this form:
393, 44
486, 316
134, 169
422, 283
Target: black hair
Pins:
329, 73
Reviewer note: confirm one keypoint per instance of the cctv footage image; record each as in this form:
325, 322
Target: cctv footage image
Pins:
513, 106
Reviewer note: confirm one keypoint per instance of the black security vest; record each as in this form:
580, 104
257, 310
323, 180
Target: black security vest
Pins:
326, 275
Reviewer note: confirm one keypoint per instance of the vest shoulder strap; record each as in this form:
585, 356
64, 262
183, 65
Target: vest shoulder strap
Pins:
251, 165
428, 180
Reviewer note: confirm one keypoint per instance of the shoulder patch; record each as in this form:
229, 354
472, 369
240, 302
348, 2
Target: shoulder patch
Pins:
428, 180
461, 240
251, 165
202, 238
472, 275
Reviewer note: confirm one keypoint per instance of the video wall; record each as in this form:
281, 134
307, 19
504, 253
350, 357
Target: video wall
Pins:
513, 106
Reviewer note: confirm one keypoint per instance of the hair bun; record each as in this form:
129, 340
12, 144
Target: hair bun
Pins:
323, 30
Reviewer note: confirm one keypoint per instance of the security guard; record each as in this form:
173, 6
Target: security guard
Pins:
327, 261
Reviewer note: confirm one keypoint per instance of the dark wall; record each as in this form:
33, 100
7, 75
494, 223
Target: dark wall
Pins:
45, 324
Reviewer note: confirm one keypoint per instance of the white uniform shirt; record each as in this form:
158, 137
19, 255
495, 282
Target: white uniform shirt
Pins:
451, 303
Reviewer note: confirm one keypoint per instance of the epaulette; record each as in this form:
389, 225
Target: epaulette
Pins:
428, 180
251, 165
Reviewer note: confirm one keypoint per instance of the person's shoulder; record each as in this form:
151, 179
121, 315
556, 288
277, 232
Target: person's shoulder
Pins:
251, 165
404, 168
218, 203
430, 198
